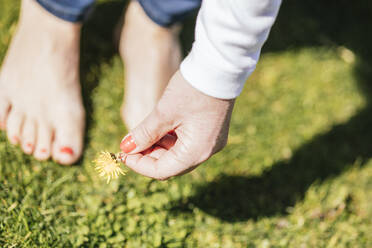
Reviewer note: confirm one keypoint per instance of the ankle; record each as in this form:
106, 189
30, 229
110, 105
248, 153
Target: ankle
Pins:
34, 17
140, 32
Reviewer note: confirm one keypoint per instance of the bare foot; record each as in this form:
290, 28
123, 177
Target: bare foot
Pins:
40, 100
151, 55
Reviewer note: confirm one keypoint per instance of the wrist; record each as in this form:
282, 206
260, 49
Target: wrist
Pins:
203, 74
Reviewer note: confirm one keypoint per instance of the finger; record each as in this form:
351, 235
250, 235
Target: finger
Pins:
139, 163
166, 142
170, 163
146, 166
157, 152
147, 133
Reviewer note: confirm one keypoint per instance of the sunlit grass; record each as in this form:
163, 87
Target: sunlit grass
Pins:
296, 172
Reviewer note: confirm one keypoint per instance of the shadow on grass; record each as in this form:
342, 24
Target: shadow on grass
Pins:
303, 24
300, 24
235, 198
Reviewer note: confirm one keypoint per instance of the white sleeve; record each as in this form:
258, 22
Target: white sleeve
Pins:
229, 36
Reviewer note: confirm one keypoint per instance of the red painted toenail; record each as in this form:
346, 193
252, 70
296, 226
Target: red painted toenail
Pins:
67, 150
43, 150
15, 138
29, 145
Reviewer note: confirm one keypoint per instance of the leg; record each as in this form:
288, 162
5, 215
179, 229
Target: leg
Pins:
151, 54
40, 100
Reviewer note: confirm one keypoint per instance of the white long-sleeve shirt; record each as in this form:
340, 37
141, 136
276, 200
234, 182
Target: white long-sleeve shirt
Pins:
229, 36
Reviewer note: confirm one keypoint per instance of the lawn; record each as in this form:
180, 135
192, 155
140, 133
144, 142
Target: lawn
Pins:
297, 171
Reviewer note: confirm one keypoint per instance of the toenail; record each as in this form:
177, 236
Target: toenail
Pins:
29, 145
15, 139
67, 150
43, 150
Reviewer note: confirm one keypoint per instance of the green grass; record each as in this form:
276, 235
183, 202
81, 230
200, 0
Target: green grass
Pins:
297, 171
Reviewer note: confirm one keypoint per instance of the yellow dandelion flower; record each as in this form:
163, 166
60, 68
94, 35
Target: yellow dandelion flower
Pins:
107, 164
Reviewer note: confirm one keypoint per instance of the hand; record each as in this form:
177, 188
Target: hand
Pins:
185, 129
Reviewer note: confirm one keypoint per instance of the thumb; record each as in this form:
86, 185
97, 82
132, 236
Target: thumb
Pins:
147, 133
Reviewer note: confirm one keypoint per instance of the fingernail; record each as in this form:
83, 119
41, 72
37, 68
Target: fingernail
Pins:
67, 150
127, 144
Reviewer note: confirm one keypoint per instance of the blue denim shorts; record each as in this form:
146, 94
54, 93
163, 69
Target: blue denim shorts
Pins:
162, 12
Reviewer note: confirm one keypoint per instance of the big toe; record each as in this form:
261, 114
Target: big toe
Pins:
68, 141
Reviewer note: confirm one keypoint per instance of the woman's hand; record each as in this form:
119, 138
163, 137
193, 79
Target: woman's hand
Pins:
185, 129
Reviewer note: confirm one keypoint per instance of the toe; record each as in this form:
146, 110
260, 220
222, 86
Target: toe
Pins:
28, 136
68, 142
4, 110
43, 142
13, 126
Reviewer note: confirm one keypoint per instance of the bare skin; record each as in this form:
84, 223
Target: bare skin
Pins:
183, 127
151, 55
200, 123
41, 107
40, 100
